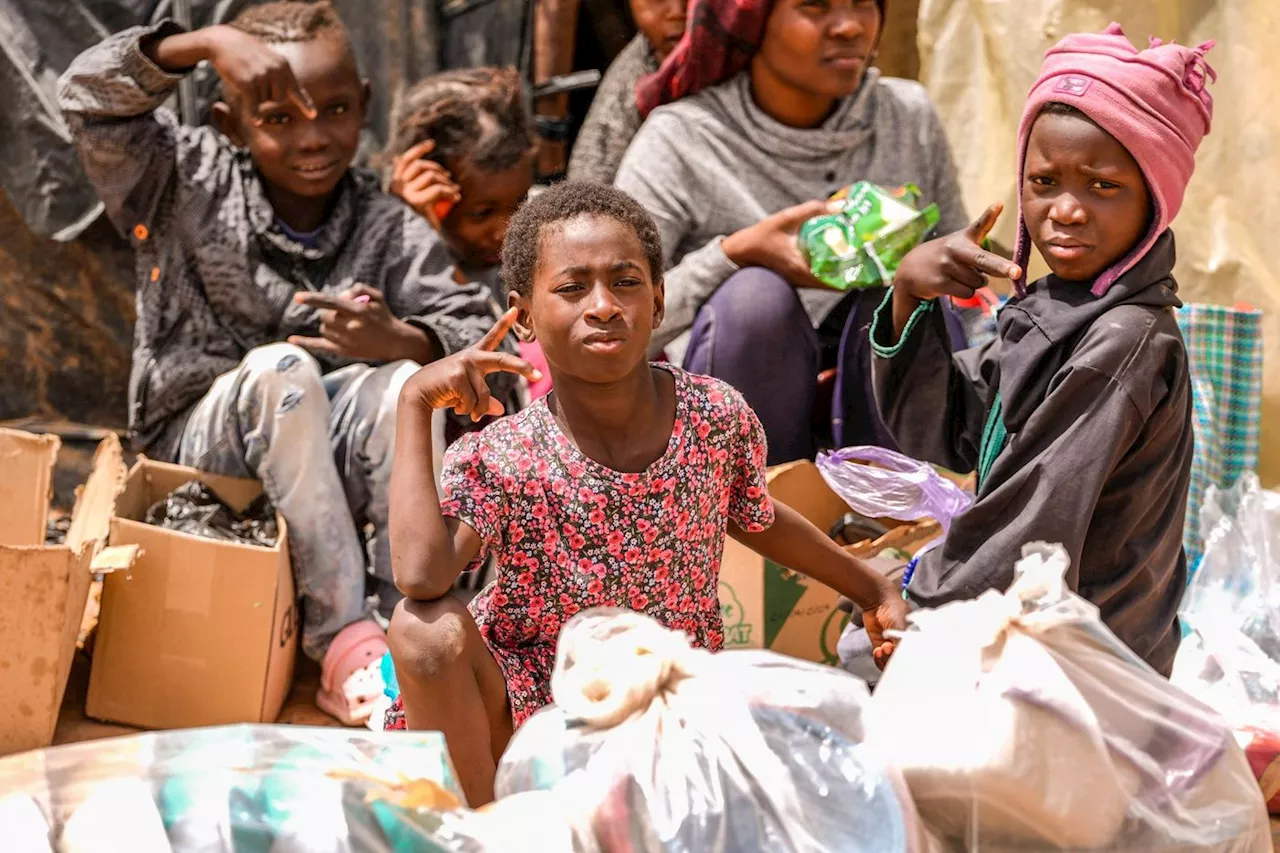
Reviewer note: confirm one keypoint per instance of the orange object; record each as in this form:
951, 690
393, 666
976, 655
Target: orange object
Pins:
442, 209
140, 231
155, 273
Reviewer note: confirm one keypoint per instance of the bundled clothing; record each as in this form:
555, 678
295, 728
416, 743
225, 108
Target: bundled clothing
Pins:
614, 117
1078, 418
213, 386
714, 163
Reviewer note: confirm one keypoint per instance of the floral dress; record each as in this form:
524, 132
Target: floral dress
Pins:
569, 533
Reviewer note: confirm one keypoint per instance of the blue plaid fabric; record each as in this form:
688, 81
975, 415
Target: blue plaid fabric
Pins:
1225, 350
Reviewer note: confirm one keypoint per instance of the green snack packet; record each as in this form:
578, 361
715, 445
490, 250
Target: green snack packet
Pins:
862, 243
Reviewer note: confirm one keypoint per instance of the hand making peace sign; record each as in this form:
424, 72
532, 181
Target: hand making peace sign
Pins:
458, 381
955, 265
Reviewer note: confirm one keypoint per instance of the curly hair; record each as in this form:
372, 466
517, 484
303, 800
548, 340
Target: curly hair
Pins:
289, 21
561, 203
479, 115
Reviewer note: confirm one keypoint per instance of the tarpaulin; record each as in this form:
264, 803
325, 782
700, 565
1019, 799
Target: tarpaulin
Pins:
978, 59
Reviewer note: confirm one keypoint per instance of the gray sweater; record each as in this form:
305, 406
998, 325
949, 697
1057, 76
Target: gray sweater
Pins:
714, 163
614, 118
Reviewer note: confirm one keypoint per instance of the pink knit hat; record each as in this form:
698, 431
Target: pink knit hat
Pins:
1154, 102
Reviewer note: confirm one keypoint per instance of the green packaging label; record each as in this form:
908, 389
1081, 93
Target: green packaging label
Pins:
862, 244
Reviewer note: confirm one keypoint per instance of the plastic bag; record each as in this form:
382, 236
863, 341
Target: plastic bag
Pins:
892, 485
1021, 722
862, 244
238, 789
1231, 657
196, 509
655, 747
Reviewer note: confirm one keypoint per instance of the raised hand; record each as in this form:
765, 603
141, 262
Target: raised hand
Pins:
955, 265
458, 381
424, 185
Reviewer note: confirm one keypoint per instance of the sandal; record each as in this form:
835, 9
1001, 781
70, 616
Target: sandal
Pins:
351, 676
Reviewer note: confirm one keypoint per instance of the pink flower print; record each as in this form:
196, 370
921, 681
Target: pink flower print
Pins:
596, 516
524, 464
539, 511
509, 484
631, 478
633, 555
542, 468
715, 396
599, 570
704, 430
570, 609
524, 578
585, 495
562, 559
754, 492
640, 602
530, 488
577, 469
596, 586
661, 574
499, 598
536, 605
577, 542
650, 535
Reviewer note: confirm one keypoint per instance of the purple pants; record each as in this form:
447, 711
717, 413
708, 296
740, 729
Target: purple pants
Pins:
754, 334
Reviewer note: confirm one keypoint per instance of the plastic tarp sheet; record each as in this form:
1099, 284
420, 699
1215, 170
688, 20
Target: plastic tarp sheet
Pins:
978, 59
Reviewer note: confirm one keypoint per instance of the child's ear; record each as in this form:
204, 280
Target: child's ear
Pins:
225, 118
659, 301
524, 322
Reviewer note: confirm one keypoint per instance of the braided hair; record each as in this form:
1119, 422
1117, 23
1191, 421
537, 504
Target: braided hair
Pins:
479, 115
290, 21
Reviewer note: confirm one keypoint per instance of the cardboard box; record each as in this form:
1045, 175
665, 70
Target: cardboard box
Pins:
768, 607
199, 632
43, 589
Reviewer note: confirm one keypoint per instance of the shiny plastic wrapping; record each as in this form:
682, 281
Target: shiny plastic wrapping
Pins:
654, 747
1020, 722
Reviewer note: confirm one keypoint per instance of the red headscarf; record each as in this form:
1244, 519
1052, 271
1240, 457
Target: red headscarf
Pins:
719, 40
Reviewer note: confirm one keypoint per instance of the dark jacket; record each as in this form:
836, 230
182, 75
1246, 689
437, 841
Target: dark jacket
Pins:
215, 273
1096, 397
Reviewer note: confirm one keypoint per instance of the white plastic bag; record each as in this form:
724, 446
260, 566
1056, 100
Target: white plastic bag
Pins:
661, 748
1021, 722
1231, 657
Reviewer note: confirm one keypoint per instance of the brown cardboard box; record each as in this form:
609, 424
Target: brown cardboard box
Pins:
768, 607
199, 632
43, 589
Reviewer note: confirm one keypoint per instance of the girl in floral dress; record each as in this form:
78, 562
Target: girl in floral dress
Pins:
615, 491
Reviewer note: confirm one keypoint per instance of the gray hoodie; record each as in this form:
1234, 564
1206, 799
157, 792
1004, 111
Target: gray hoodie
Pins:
1097, 404
714, 163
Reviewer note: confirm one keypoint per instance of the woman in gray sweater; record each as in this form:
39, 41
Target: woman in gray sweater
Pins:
765, 108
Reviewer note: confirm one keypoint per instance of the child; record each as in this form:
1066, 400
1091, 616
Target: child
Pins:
615, 491
256, 233
1078, 418
463, 151
614, 117
463, 157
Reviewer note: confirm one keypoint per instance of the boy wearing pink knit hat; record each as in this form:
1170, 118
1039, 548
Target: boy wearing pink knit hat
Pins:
1077, 418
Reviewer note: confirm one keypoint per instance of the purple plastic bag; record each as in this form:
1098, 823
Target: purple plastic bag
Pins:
903, 488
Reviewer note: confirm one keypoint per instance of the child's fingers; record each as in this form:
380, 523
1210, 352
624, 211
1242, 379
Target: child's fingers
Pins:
412, 170
493, 338
319, 345
505, 362
987, 263
422, 149
328, 301
302, 99
981, 227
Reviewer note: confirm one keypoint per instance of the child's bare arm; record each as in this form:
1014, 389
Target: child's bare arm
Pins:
429, 551
795, 543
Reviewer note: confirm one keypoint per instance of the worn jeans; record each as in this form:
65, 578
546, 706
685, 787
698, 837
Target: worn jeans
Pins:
322, 445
